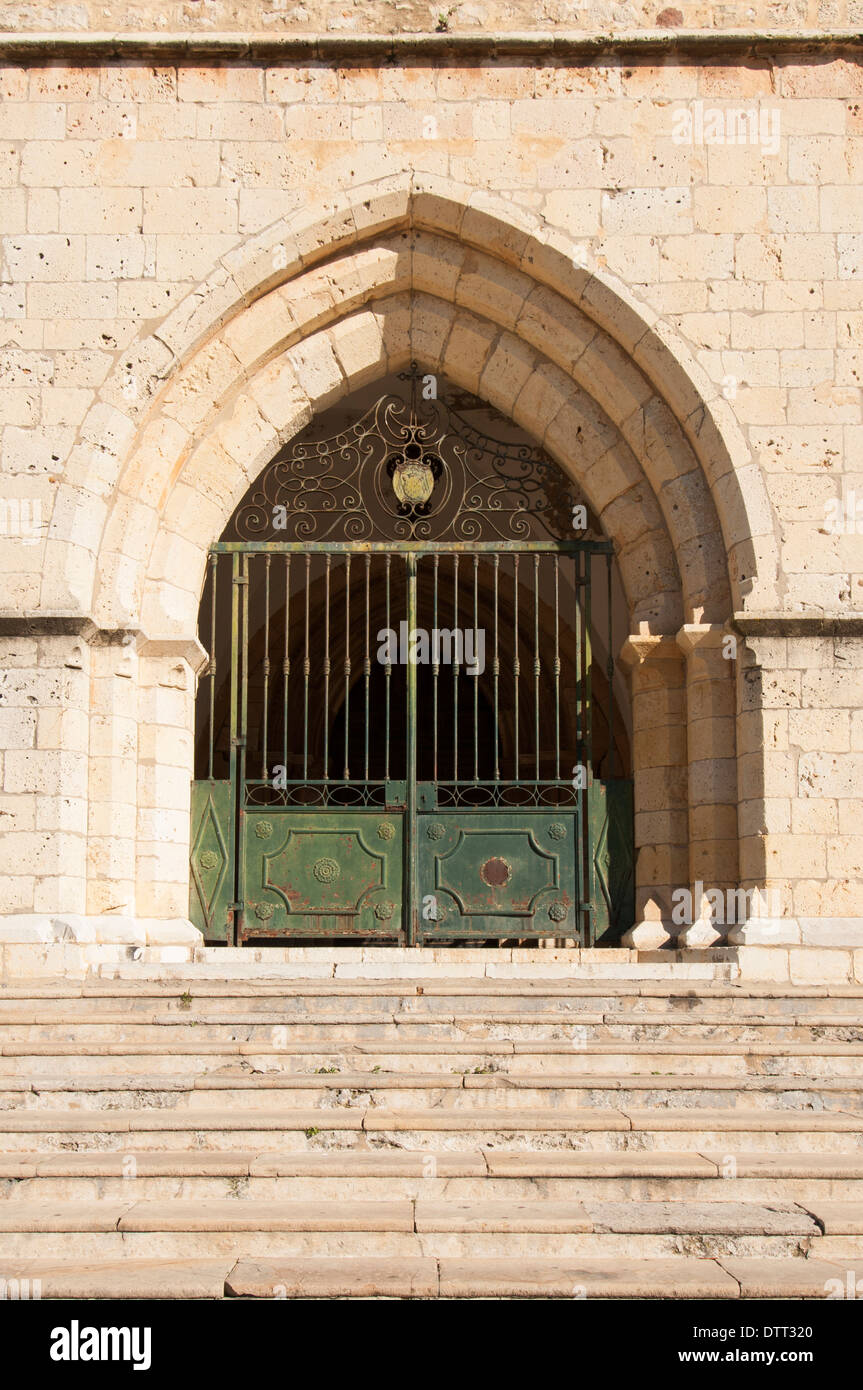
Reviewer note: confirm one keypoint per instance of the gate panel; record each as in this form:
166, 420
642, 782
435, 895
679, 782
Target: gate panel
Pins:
211, 859
402, 701
319, 874
613, 847
499, 874
400, 726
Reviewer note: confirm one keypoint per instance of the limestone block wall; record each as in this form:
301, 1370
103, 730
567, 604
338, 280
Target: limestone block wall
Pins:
44, 719
270, 17
800, 782
707, 206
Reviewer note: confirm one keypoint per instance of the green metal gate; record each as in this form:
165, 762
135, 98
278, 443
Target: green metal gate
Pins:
396, 737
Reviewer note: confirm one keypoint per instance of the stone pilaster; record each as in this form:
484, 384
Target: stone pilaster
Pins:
712, 779
112, 773
167, 679
657, 677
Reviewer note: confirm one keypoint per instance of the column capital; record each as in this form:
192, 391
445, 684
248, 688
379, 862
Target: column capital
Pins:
187, 649
701, 637
641, 647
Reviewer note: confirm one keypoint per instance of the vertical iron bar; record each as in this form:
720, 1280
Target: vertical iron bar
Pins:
496, 675
588, 691
286, 664
367, 668
412, 923
435, 671
266, 664
557, 668
610, 669
590, 877
581, 791
388, 671
515, 664
347, 772
306, 669
536, 665
245, 579
235, 734
455, 670
327, 565
476, 673
244, 668
212, 668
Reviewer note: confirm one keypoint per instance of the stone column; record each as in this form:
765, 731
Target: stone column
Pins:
657, 677
113, 773
711, 755
168, 671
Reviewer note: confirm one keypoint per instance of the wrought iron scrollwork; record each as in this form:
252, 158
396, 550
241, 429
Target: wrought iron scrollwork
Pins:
410, 469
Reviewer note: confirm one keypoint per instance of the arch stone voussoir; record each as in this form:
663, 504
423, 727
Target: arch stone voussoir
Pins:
328, 365
513, 307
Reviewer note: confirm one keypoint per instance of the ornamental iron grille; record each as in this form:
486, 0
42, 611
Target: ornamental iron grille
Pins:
413, 788
412, 469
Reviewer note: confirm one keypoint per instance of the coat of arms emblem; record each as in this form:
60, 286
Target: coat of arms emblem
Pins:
414, 472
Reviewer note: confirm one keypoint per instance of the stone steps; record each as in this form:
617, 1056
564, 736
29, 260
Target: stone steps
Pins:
561, 982
189, 1229
236, 1089
405, 964
193, 1026
726, 1277
35, 1059
717, 1004
464, 1174
448, 1127
453, 1136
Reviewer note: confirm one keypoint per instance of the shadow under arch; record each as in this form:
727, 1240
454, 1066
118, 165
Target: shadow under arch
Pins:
485, 729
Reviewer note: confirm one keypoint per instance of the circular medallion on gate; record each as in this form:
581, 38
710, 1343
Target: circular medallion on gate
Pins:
496, 872
557, 911
435, 830
386, 831
326, 870
263, 829
384, 911
557, 831
209, 859
264, 911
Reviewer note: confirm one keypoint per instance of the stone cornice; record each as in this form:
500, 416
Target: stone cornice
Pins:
69, 625
47, 625
798, 624
89, 47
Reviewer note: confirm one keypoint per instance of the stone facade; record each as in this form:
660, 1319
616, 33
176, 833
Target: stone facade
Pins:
655, 253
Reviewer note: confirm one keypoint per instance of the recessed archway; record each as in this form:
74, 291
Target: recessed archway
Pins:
314, 721
308, 275
499, 303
